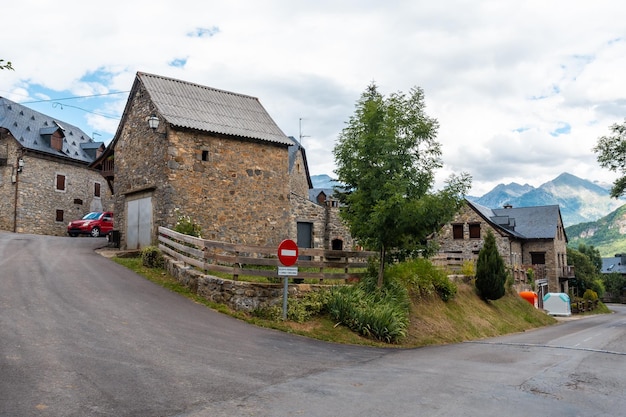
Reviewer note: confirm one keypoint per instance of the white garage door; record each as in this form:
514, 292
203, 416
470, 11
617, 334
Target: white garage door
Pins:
139, 223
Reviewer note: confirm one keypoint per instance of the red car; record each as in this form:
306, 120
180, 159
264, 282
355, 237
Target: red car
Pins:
97, 223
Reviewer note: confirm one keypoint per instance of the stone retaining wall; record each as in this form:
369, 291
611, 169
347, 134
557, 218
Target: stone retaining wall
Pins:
238, 295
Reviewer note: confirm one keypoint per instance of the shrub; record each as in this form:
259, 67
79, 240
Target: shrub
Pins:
490, 270
590, 295
186, 226
299, 309
151, 257
419, 276
468, 269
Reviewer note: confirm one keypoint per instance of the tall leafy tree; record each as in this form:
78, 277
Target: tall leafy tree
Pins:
593, 254
386, 159
490, 270
611, 154
587, 273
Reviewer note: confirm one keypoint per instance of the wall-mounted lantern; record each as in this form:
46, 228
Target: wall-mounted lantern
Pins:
20, 164
153, 122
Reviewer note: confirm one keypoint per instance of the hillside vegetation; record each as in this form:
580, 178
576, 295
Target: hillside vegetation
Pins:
607, 234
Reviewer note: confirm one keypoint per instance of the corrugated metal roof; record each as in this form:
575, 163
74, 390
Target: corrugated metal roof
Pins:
29, 128
193, 106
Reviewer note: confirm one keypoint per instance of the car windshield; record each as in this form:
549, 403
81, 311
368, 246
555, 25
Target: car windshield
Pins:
92, 216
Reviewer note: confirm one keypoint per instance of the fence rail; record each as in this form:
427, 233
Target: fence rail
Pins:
238, 260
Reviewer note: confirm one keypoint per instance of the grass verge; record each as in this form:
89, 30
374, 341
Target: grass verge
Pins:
432, 321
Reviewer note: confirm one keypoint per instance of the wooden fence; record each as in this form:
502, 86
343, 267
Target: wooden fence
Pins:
236, 260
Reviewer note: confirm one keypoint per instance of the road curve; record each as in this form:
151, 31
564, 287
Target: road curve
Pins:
83, 336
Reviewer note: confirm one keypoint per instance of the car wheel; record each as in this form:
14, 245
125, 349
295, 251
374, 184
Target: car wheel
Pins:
95, 232
73, 234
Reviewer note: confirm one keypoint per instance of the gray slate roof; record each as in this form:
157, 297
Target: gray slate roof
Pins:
524, 222
28, 126
615, 264
188, 105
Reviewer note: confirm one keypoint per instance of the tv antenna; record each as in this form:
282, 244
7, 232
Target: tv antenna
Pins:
301, 135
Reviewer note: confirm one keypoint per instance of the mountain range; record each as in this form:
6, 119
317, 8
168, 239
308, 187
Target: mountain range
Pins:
580, 200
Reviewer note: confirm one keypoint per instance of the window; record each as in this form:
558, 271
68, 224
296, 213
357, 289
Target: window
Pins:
538, 258
60, 183
457, 231
59, 217
96, 189
205, 155
474, 230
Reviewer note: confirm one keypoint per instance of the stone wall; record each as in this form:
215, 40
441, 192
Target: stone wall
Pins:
238, 295
468, 248
327, 225
236, 189
41, 207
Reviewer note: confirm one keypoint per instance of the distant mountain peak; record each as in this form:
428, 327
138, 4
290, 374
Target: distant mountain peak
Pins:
579, 200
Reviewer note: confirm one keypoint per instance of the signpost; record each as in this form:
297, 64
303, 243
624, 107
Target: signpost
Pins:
288, 256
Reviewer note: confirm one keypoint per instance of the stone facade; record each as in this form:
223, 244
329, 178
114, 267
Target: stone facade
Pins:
235, 189
47, 192
323, 215
517, 251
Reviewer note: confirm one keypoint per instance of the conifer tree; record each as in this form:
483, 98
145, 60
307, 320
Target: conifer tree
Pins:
490, 270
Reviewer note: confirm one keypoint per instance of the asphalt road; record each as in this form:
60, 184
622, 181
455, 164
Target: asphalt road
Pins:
83, 336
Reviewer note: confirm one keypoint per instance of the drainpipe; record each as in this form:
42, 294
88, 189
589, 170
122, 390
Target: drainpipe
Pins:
18, 169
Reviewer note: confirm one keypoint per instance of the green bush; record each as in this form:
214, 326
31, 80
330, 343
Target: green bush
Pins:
468, 269
186, 226
422, 278
590, 295
299, 309
151, 257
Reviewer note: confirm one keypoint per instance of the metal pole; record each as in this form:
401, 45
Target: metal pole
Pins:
285, 291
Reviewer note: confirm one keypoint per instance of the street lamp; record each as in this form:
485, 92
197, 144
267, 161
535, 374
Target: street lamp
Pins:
153, 122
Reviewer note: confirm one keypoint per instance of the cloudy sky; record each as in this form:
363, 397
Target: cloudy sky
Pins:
521, 90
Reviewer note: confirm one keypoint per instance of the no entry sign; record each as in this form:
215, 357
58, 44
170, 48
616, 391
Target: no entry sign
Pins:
288, 252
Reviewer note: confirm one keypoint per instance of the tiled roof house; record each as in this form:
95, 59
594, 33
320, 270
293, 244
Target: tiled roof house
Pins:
527, 237
45, 179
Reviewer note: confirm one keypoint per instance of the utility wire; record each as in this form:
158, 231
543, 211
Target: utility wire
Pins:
72, 98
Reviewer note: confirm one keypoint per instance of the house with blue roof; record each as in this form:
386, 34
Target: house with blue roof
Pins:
526, 237
45, 178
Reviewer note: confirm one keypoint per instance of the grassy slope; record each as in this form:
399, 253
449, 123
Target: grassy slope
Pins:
466, 317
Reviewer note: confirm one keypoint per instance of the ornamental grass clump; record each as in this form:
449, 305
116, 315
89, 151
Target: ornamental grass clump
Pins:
378, 313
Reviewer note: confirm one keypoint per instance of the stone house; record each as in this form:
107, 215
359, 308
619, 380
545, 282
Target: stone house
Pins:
215, 156
526, 237
45, 179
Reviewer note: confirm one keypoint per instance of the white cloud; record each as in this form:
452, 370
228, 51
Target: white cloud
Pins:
502, 77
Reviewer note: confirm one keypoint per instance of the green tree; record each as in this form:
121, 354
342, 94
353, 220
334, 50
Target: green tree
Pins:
614, 283
386, 157
490, 270
611, 154
593, 254
587, 274
5, 66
